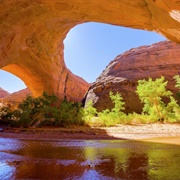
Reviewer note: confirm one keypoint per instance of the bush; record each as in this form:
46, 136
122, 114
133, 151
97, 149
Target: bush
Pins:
142, 118
151, 93
69, 114
110, 118
89, 112
172, 111
47, 110
116, 114
5, 113
177, 79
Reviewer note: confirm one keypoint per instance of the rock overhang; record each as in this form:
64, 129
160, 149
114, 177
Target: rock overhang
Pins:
32, 34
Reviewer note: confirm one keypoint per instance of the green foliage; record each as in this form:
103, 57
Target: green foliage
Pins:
5, 113
47, 110
172, 111
134, 118
118, 102
177, 79
69, 114
31, 111
116, 114
89, 112
151, 93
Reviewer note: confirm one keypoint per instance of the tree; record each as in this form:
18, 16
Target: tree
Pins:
151, 93
89, 111
5, 112
32, 111
47, 110
116, 114
177, 79
117, 101
172, 110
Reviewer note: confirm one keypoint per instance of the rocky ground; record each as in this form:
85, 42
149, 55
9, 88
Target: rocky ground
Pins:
169, 133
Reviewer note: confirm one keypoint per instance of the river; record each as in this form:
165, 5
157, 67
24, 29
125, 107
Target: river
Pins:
88, 160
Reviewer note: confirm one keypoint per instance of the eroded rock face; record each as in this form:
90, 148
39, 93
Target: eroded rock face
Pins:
32, 34
122, 74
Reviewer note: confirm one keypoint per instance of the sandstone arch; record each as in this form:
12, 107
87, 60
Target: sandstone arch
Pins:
32, 34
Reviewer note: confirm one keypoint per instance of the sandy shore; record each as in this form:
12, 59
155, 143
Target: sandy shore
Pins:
166, 133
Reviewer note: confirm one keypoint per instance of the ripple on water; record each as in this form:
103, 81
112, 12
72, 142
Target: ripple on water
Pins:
99, 159
93, 163
10, 144
6, 171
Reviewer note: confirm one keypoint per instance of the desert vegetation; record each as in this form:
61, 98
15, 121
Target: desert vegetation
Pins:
47, 110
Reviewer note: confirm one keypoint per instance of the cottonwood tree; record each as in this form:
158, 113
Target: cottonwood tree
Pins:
177, 79
151, 93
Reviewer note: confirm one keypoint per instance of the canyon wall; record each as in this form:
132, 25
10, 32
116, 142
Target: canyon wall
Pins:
122, 74
32, 34
3, 93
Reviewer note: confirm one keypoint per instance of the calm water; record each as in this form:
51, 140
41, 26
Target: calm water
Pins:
93, 160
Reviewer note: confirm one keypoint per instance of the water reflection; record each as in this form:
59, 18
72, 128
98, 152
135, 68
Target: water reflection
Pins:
116, 159
6, 171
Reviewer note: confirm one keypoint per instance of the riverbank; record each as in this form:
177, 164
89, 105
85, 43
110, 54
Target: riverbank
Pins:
168, 133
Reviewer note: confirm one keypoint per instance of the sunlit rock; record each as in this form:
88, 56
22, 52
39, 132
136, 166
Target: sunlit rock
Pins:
32, 34
17, 97
3, 93
122, 74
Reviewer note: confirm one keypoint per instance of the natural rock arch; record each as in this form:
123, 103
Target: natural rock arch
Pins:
32, 34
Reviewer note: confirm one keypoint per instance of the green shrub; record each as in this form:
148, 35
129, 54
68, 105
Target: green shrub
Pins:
172, 111
5, 113
151, 93
116, 114
69, 114
47, 110
142, 118
89, 112
177, 79
110, 118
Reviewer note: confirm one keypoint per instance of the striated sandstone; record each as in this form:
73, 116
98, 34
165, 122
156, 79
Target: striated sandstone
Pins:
122, 74
32, 34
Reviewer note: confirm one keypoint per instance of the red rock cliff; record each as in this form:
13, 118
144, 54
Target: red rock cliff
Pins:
3, 93
32, 34
121, 75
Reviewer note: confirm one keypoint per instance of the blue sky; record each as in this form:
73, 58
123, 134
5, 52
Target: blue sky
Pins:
89, 48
